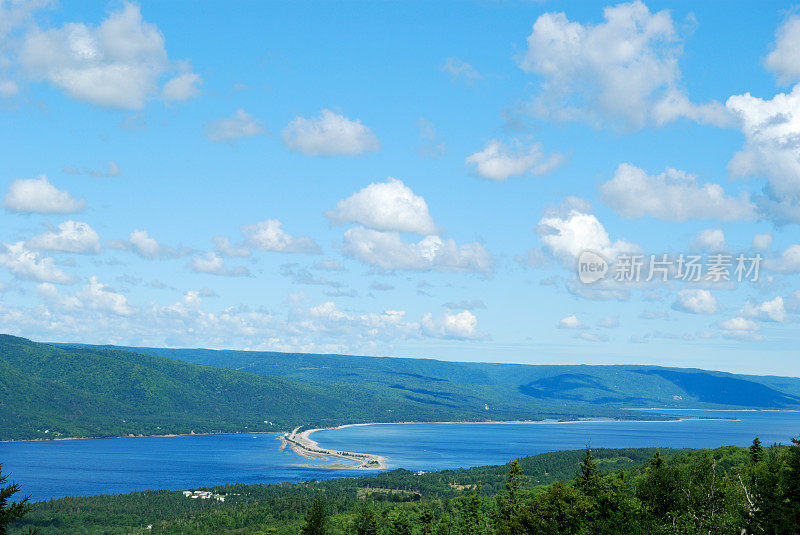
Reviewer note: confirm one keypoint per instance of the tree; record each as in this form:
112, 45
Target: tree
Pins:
315, 522
366, 523
426, 521
756, 451
10, 511
589, 476
473, 521
791, 488
509, 503
399, 524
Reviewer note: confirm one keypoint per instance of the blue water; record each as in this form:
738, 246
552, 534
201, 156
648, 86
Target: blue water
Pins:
83, 467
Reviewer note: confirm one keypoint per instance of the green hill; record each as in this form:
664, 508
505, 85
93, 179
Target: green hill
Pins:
49, 391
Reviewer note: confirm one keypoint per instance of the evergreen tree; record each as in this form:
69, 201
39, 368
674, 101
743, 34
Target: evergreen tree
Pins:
509, 503
315, 522
588, 479
791, 488
756, 451
10, 511
426, 521
399, 524
472, 518
366, 523
445, 526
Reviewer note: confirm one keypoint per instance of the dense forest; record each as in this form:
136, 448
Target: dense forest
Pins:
728, 490
51, 391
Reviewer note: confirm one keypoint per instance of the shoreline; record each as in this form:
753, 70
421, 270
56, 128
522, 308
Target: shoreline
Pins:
490, 422
304, 446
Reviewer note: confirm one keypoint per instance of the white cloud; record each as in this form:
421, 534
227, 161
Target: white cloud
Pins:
70, 237
623, 70
213, 264
329, 134
8, 88
568, 230
116, 64
610, 322
784, 60
111, 170
460, 71
696, 302
387, 250
762, 242
224, 247
498, 161
788, 262
269, 236
740, 329
97, 296
329, 264
712, 239
38, 195
592, 337
773, 310
182, 87
389, 205
226, 130
28, 264
771, 150
570, 322
460, 326
140, 242
672, 196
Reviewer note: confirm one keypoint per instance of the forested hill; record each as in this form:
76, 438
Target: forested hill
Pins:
50, 391
511, 385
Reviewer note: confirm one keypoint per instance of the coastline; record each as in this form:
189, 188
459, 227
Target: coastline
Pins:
490, 422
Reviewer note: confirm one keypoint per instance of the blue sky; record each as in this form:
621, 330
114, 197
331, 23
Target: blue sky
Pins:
401, 178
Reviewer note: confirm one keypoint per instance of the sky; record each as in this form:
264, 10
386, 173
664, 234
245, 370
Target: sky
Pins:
421, 179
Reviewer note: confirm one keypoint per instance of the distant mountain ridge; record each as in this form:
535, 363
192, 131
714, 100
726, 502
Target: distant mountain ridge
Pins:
71, 390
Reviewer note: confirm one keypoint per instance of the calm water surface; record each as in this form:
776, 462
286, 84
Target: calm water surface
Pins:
82, 467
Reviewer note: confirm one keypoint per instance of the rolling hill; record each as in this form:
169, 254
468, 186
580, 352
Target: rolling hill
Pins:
58, 390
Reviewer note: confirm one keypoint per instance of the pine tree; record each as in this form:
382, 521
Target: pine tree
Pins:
399, 524
10, 511
589, 476
366, 523
473, 521
756, 451
509, 503
315, 523
426, 521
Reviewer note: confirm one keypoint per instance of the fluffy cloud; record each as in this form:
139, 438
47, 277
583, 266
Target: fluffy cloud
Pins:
460, 71
389, 205
570, 229
773, 310
771, 150
696, 302
570, 322
69, 237
329, 134
498, 162
240, 124
27, 264
461, 326
140, 242
784, 60
224, 247
182, 87
387, 250
623, 70
712, 239
213, 264
787, 262
38, 195
740, 329
269, 236
761, 242
97, 296
672, 196
116, 64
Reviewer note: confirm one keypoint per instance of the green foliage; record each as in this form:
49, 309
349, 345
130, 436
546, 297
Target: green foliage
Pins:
10, 511
315, 521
